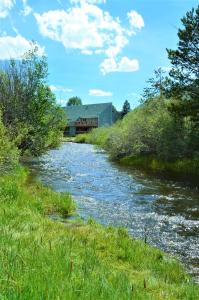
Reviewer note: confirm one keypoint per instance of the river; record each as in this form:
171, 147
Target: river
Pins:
163, 211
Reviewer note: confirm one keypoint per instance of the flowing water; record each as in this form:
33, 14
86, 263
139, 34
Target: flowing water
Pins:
164, 212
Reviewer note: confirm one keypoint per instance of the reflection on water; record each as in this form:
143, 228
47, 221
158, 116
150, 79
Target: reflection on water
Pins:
167, 212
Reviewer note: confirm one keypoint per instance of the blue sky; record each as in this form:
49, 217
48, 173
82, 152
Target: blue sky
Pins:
99, 50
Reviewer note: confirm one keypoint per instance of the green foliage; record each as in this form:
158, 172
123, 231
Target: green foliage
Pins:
155, 87
183, 83
74, 101
81, 138
8, 152
147, 130
185, 59
126, 108
98, 136
183, 167
45, 259
29, 111
15, 191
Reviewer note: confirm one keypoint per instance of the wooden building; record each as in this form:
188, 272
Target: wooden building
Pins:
83, 118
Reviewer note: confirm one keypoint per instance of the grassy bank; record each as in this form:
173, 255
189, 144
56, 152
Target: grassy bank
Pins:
45, 259
184, 167
68, 139
81, 138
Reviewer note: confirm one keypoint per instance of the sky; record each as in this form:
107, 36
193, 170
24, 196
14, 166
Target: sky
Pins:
98, 50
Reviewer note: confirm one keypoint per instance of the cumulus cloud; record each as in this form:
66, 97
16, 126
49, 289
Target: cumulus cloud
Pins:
15, 47
136, 21
84, 27
87, 52
59, 88
26, 8
124, 65
5, 7
91, 30
99, 93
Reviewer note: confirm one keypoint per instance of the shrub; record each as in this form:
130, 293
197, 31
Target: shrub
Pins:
29, 110
149, 130
8, 152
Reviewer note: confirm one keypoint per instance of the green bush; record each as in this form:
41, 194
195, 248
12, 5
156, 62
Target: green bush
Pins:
8, 152
98, 136
81, 138
29, 111
149, 130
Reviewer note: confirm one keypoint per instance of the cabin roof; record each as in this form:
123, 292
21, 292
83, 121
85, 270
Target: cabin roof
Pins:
75, 112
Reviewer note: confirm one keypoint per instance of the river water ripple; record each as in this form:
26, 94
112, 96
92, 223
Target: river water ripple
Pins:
165, 212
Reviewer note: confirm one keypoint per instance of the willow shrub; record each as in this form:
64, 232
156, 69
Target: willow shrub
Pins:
148, 130
151, 130
98, 136
29, 111
8, 152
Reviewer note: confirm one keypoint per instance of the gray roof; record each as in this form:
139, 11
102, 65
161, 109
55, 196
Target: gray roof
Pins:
75, 112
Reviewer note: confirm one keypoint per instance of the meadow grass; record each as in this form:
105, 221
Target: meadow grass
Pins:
81, 138
41, 258
68, 139
97, 136
182, 167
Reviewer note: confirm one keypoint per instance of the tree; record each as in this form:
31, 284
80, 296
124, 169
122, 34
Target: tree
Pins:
8, 151
183, 84
29, 111
126, 108
74, 101
184, 76
155, 87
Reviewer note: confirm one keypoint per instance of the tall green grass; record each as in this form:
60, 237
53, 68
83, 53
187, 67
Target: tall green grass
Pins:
45, 259
183, 167
81, 138
96, 136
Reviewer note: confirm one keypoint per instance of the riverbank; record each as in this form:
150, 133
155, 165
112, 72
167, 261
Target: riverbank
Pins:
182, 168
44, 258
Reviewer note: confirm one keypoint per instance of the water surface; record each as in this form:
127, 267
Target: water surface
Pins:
165, 212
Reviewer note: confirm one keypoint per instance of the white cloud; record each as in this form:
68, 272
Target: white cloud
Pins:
124, 65
91, 30
59, 88
5, 7
120, 42
85, 27
136, 21
99, 93
88, 1
87, 52
26, 8
15, 47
